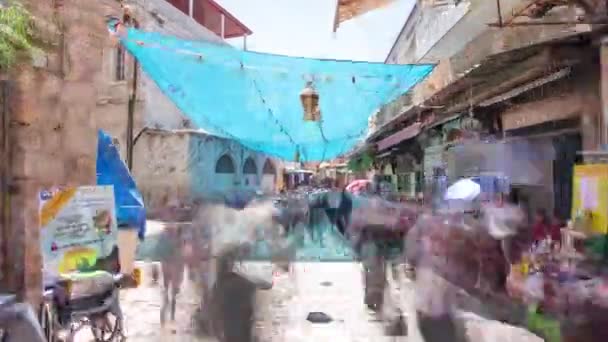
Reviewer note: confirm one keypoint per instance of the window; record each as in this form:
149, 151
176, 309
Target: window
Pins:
119, 64
224, 165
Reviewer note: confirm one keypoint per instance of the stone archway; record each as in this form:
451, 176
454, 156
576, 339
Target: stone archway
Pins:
225, 173
250, 173
269, 176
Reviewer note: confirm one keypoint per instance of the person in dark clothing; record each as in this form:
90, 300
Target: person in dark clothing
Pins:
338, 207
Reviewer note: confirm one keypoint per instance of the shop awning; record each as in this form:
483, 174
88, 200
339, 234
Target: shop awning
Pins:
254, 98
404, 134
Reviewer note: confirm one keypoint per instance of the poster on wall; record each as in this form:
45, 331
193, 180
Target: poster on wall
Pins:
590, 194
78, 228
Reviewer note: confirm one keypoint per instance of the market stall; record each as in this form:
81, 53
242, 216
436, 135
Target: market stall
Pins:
563, 282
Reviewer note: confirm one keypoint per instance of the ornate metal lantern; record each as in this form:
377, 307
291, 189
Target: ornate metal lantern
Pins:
310, 103
470, 124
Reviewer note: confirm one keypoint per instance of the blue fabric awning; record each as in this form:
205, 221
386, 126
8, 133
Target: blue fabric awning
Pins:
254, 98
111, 170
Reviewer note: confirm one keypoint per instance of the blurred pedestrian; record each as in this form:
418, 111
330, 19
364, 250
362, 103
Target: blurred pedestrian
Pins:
426, 250
555, 228
540, 227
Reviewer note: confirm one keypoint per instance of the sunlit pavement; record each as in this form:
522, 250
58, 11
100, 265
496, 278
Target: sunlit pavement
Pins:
335, 289
141, 308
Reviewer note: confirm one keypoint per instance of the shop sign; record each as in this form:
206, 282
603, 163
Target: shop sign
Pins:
404, 134
78, 227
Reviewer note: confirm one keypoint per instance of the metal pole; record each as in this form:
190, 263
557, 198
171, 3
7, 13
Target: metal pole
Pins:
131, 107
191, 8
223, 26
499, 13
131, 117
245, 42
604, 92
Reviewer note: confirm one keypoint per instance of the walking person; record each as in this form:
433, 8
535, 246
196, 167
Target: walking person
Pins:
433, 294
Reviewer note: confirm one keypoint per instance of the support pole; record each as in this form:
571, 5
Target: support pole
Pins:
604, 93
500, 24
191, 8
223, 26
245, 42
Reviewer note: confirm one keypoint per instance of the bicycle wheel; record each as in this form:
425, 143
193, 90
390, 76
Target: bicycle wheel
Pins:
107, 327
47, 321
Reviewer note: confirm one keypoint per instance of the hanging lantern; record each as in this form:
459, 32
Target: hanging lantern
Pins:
310, 103
470, 124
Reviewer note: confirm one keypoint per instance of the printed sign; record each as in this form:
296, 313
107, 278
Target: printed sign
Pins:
78, 227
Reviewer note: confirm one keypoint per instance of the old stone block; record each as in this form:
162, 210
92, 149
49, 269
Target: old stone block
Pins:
50, 86
81, 92
44, 167
27, 138
80, 170
79, 142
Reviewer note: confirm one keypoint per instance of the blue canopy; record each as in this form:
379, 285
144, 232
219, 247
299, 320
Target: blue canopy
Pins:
254, 98
111, 170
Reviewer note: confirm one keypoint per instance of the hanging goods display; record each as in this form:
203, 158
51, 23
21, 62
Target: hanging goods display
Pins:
273, 104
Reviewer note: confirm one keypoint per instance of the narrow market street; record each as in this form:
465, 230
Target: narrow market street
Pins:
294, 171
335, 289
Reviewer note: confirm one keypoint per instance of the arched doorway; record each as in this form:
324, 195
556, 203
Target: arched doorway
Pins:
225, 173
269, 177
250, 173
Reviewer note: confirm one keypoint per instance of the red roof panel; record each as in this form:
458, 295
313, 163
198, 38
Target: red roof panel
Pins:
208, 13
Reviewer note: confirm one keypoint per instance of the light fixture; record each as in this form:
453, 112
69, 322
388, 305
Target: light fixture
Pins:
469, 123
310, 103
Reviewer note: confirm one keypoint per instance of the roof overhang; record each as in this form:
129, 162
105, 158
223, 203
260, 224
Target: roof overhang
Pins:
233, 28
494, 77
349, 9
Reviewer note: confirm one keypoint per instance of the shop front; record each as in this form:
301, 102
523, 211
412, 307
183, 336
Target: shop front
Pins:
548, 140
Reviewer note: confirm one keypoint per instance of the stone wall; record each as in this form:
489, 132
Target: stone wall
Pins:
53, 128
161, 16
182, 164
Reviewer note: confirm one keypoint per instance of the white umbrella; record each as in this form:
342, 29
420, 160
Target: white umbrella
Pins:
464, 189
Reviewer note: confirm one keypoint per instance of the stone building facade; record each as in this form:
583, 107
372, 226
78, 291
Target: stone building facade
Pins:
188, 164
53, 109
185, 157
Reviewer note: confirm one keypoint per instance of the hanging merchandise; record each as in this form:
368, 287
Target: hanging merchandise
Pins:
272, 104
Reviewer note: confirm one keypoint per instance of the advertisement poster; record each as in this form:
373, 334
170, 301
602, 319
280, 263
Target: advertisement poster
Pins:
78, 228
590, 193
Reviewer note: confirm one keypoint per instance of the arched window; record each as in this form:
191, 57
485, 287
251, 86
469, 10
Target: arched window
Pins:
224, 165
250, 168
269, 168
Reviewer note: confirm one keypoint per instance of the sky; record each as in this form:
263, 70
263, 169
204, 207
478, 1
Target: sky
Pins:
304, 28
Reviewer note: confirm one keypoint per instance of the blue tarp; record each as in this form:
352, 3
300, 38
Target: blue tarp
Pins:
254, 98
111, 170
